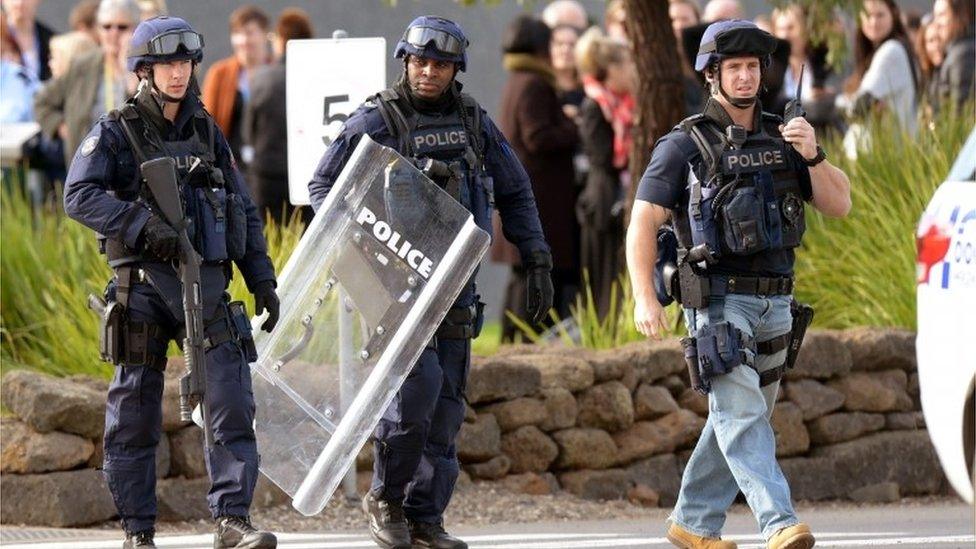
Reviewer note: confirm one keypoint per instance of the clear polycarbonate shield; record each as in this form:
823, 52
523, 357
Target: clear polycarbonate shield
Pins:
361, 296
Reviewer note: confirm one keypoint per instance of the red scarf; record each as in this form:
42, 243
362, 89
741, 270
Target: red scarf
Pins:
618, 109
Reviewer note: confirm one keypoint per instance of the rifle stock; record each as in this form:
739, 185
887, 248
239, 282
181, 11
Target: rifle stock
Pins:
160, 176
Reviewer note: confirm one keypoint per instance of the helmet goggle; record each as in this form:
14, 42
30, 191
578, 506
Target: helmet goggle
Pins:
445, 42
170, 42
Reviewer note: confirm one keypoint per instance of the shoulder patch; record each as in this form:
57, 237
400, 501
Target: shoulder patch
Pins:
88, 145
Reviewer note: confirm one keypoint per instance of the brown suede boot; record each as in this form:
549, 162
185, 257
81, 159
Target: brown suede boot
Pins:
797, 536
686, 540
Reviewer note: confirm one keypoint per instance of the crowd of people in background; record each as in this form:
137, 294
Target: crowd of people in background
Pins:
568, 107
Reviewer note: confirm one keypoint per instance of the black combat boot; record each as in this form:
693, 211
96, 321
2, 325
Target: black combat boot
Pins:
432, 535
238, 533
139, 539
387, 524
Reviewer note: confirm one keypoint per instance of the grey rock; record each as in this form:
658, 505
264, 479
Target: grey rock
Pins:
868, 392
597, 485
164, 458
533, 484
883, 492
186, 453
841, 427
364, 459
561, 409
792, 437
267, 494
469, 414
691, 399
897, 380
881, 348
529, 449
183, 499
48, 403
674, 384
822, 356
904, 421
95, 384
661, 474
27, 451
479, 441
606, 406
500, 378
512, 414
834, 472
605, 365
643, 495
664, 435
62, 499
568, 372
652, 402
631, 378
814, 398
584, 449
493, 469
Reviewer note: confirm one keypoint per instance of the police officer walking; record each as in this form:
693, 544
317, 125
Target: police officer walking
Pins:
426, 117
105, 191
735, 180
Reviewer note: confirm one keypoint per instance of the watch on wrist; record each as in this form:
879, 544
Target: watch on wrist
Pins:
821, 156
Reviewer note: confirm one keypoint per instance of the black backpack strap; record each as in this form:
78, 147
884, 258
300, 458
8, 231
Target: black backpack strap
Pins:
126, 116
471, 118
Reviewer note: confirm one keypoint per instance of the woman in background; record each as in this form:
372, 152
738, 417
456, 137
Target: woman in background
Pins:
606, 123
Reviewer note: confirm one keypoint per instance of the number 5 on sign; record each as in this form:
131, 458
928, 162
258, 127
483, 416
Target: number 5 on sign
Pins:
327, 79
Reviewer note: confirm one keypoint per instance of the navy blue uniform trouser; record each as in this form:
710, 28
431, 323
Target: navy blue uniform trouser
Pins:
133, 424
415, 455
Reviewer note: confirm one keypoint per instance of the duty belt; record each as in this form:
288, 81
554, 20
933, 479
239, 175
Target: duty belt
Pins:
751, 285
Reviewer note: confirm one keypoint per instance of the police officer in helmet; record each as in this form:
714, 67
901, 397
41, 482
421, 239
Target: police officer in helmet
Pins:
426, 117
106, 192
734, 180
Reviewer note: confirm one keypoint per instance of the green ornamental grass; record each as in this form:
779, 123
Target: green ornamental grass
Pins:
857, 271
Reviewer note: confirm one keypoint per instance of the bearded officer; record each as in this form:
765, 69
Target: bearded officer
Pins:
735, 180
105, 192
426, 117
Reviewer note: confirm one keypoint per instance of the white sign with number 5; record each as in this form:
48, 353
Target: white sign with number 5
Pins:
327, 79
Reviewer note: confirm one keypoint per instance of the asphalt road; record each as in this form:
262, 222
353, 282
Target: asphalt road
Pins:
942, 525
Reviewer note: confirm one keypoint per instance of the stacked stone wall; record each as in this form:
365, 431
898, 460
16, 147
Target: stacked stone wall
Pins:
608, 424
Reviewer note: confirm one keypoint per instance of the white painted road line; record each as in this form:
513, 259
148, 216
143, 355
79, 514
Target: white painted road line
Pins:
525, 541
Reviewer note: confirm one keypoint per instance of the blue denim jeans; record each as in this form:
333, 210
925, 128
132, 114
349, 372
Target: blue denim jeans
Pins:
737, 449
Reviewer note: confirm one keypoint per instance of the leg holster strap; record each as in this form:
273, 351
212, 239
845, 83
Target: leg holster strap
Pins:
141, 339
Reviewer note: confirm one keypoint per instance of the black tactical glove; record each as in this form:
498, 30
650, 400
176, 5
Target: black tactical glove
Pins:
266, 298
160, 238
538, 283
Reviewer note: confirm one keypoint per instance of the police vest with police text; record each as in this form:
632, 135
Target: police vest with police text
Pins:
747, 198
453, 138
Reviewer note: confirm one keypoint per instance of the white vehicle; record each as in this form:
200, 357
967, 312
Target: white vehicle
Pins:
946, 278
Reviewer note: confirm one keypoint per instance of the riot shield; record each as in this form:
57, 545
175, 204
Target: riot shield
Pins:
361, 296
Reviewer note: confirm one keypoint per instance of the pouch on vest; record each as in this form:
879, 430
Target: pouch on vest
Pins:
720, 349
236, 227
242, 326
743, 220
211, 223
701, 216
794, 221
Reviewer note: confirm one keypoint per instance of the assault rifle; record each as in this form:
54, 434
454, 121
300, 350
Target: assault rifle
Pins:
793, 108
160, 176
